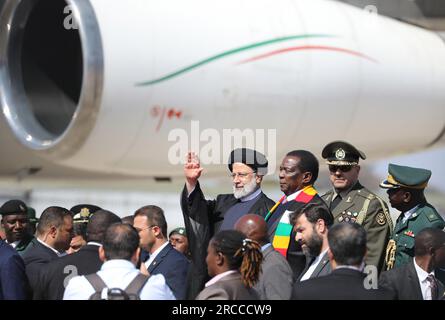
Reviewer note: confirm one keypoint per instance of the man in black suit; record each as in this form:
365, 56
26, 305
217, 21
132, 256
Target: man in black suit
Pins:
347, 250
298, 173
311, 225
55, 276
416, 279
204, 218
54, 233
163, 259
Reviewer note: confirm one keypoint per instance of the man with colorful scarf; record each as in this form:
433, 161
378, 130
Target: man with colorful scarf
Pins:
298, 173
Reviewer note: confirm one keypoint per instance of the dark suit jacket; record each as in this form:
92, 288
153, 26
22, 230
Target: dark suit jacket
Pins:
173, 265
13, 281
341, 284
35, 258
295, 255
230, 287
322, 269
404, 282
202, 219
55, 276
25, 244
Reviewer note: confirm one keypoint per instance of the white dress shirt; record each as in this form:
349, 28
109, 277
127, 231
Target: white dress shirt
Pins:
119, 273
154, 254
313, 266
425, 285
13, 244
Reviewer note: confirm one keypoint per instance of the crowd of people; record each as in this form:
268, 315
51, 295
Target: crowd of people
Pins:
240, 246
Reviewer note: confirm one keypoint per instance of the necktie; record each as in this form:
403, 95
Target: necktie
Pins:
335, 202
433, 285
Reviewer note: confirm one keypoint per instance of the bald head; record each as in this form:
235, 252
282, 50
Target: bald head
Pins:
254, 227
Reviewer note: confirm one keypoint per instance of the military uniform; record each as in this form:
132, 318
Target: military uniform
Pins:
362, 206
359, 204
400, 248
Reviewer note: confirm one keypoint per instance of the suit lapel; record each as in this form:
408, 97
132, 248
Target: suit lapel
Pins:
320, 265
157, 261
414, 281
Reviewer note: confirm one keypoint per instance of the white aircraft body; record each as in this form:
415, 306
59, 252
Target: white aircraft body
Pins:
127, 87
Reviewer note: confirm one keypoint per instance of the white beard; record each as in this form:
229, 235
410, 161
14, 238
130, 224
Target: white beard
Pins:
248, 189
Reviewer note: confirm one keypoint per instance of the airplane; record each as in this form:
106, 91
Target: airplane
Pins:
108, 88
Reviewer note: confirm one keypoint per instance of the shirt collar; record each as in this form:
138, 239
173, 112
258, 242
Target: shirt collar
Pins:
410, 212
13, 244
422, 274
267, 245
59, 254
94, 243
117, 264
251, 196
156, 252
219, 277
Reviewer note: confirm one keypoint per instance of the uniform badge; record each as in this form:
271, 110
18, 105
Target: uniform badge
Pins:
349, 200
340, 154
409, 233
84, 212
381, 219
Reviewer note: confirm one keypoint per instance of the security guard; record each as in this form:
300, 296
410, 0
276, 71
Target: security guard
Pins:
351, 202
406, 187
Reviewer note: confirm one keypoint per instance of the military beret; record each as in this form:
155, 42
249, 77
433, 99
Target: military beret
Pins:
32, 215
408, 177
180, 230
341, 153
252, 158
83, 212
13, 207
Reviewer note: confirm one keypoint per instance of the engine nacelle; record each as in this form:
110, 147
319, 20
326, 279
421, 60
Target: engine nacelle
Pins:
108, 85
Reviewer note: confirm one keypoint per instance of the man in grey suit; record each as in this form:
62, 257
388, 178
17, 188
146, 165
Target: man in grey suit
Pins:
416, 279
311, 226
275, 281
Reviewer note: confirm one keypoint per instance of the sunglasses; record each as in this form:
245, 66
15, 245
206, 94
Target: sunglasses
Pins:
334, 168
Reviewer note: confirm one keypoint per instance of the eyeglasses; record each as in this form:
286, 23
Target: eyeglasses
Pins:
334, 168
142, 229
241, 175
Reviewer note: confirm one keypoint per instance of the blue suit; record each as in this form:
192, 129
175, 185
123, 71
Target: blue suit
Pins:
173, 265
13, 281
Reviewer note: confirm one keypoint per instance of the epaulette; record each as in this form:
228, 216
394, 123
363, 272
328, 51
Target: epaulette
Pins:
432, 216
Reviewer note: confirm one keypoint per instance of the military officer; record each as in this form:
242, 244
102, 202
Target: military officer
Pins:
15, 221
351, 202
406, 187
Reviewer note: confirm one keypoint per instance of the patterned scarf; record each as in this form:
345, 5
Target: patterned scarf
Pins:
281, 238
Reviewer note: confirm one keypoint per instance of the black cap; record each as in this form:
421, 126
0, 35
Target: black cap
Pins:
252, 158
83, 212
341, 153
13, 207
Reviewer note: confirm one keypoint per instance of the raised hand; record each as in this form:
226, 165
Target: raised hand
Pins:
192, 170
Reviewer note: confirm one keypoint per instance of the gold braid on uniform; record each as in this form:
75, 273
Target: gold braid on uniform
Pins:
251, 265
390, 256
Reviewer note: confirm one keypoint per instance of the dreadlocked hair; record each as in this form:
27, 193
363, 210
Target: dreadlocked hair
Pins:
242, 254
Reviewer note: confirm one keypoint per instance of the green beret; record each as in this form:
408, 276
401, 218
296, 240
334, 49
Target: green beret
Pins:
408, 177
180, 230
